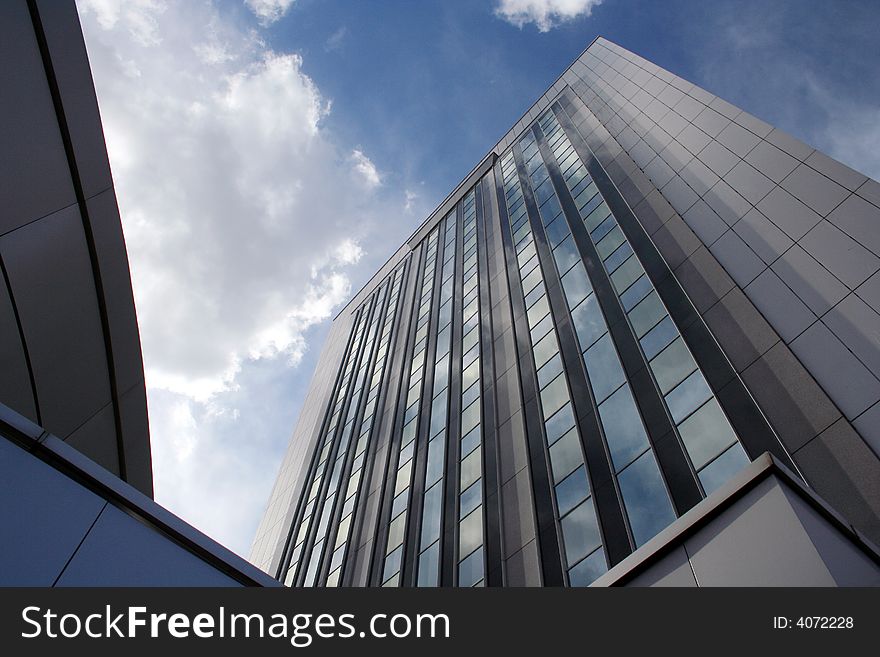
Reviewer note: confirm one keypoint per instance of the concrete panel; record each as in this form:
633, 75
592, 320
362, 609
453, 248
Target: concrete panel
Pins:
846, 380
796, 406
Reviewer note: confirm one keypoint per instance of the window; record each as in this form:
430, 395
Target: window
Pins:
645, 498
623, 426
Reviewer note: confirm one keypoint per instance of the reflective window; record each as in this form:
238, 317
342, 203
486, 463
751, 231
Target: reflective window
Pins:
706, 433
624, 430
645, 497
606, 374
672, 365
688, 396
572, 490
470, 571
588, 570
714, 475
580, 532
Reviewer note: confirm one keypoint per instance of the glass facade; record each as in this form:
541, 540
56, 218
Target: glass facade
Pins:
530, 395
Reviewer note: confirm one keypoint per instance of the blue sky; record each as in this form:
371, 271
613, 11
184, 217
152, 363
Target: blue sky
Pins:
269, 155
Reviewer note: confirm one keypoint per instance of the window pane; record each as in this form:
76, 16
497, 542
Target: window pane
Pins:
550, 371
623, 426
658, 337
545, 350
706, 434
688, 396
470, 441
470, 532
471, 469
672, 365
617, 258
580, 532
431, 515
392, 563
470, 571
395, 531
604, 368
646, 314
645, 497
573, 490
471, 498
588, 570
576, 286
566, 455
537, 312
588, 321
714, 475
608, 244
435, 460
566, 255
554, 396
603, 229
557, 425
429, 564
635, 292
557, 231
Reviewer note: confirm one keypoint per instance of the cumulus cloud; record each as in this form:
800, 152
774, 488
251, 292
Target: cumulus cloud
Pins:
245, 224
545, 14
269, 11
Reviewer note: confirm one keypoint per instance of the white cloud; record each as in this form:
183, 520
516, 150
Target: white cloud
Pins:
545, 14
365, 167
245, 223
335, 40
409, 197
269, 11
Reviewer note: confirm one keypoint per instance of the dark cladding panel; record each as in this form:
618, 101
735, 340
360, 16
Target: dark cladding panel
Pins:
34, 178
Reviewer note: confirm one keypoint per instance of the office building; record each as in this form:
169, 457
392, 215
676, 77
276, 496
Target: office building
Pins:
637, 342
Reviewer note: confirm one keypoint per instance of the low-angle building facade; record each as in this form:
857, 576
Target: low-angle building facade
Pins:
638, 337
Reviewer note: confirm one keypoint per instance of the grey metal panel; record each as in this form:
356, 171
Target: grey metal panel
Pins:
95, 437
136, 438
672, 570
524, 566
517, 512
121, 551
34, 178
848, 565
70, 63
757, 542
15, 384
44, 514
60, 318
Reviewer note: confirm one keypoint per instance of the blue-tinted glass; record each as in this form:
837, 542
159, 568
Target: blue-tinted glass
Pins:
431, 515
557, 425
470, 571
617, 258
608, 244
470, 395
573, 490
470, 442
471, 469
435, 460
392, 563
604, 368
544, 192
470, 532
566, 255
470, 499
566, 455
706, 433
658, 337
588, 570
549, 371
580, 532
429, 564
550, 209
438, 414
441, 375
714, 475
542, 328
623, 427
645, 498
557, 231
399, 504
554, 395
672, 365
646, 314
588, 321
576, 286
603, 229
635, 293
688, 396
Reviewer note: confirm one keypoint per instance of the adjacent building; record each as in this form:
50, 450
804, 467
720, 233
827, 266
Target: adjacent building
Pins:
75, 467
639, 337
